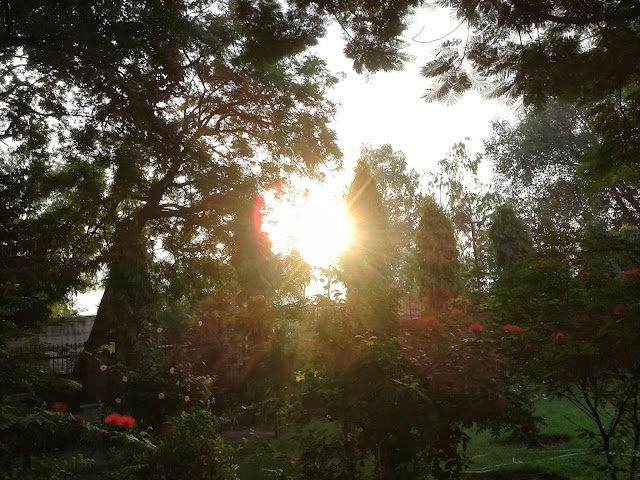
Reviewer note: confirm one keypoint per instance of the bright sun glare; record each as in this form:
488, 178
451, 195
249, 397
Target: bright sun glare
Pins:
317, 225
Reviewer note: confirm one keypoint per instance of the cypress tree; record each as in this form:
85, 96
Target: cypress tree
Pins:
366, 266
436, 258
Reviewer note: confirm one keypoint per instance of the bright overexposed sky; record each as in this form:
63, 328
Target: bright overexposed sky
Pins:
387, 108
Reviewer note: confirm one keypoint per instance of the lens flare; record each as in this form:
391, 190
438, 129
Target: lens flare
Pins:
315, 224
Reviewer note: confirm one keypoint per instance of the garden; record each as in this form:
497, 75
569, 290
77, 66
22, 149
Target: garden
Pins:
441, 324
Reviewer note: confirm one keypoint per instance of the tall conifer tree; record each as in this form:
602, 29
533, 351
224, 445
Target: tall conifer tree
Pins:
366, 265
436, 258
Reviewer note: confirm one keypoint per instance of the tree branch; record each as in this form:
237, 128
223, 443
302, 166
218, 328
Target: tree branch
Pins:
631, 14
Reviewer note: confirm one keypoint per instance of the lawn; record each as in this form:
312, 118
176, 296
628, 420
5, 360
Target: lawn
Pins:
563, 453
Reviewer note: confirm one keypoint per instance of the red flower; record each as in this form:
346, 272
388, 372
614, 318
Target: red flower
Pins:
558, 338
113, 419
120, 420
428, 320
456, 311
630, 274
501, 403
513, 329
527, 348
127, 421
585, 318
60, 407
79, 417
403, 323
494, 355
618, 310
475, 328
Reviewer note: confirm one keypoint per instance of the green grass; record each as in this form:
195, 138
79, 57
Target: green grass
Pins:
564, 454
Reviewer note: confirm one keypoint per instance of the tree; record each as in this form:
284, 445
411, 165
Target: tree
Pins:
366, 264
46, 251
400, 190
467, 202
436, 258
578, 52
536, 162
577, 310
509, 238
160, 116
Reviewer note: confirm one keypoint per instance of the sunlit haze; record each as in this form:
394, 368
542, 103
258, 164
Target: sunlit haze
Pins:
374, 110
315, 224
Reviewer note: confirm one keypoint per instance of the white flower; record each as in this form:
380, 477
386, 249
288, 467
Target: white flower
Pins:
118, 400
125, 379
172, 370
159, 330
161, 396
103, 368
149, 325
200, 323
187, 399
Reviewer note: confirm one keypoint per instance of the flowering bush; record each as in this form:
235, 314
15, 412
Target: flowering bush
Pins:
192, 449
592, 363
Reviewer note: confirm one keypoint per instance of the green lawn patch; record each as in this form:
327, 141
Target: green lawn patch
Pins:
557, 453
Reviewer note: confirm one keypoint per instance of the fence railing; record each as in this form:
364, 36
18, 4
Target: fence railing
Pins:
61, 358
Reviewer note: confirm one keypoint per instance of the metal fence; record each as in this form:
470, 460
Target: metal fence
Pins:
62, 358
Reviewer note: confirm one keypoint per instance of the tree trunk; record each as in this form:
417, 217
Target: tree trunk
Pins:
127, 305
128, 301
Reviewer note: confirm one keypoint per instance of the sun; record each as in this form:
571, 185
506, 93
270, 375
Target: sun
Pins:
315, 224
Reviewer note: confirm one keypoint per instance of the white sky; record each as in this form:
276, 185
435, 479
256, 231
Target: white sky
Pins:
387, 108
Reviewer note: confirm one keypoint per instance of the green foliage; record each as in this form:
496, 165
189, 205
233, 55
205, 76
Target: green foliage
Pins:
400, 190
581, 53
157, 144
192, 448
390, 406
467, 202
579, 311
535, 162
365, 266
436, 258
255, 264
509, 238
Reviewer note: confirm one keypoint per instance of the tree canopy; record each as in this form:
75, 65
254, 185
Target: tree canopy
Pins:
139, 131
578, 52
